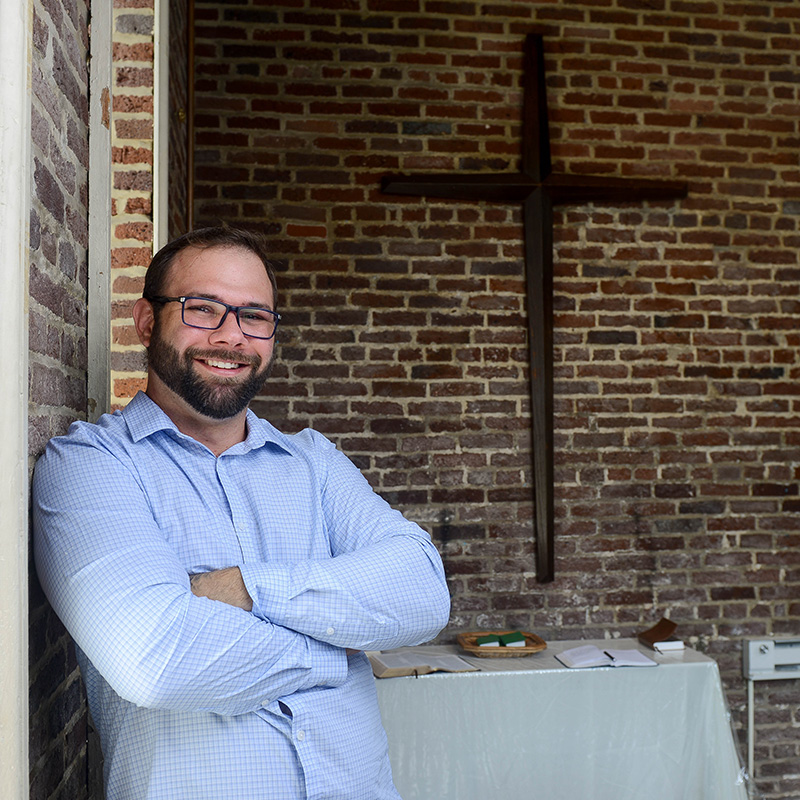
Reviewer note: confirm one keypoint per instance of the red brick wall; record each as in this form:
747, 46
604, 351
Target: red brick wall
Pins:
132, 190
677, 447
57, 376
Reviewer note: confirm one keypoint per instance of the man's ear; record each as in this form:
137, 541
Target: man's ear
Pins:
144, 320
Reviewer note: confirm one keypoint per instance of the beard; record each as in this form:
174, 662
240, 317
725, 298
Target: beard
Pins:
217, 398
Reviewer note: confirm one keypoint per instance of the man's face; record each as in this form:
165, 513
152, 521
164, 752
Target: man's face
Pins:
217, 372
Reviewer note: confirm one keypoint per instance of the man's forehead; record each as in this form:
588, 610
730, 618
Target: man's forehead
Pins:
189, 256
218, 266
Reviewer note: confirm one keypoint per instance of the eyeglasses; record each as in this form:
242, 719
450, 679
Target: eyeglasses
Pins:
200, 312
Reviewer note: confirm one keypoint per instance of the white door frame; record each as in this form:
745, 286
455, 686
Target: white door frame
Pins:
98, 301
16, 37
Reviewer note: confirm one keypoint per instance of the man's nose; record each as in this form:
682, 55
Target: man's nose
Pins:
229, 331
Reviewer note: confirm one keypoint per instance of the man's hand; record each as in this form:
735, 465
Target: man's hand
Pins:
225, 585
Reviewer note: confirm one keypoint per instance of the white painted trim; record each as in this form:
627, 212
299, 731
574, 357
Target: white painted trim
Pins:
99, 289
161, 125
16, 37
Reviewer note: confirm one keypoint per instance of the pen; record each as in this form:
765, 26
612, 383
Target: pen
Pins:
605, 652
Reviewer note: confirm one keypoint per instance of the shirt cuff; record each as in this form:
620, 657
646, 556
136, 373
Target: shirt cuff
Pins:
268, 587
294, 598
329, 665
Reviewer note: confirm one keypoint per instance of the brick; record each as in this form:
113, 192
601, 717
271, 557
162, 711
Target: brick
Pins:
133, 128
137, 24
134, 230
49, 192
134, 76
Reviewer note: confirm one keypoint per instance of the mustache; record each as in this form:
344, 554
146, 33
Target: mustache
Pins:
252, 360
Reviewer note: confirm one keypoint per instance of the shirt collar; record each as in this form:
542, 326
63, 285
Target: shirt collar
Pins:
144, 417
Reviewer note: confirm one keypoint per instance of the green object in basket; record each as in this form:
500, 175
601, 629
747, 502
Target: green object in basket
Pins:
513, 639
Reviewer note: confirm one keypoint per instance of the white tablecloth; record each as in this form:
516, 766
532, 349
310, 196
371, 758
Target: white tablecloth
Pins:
531, 728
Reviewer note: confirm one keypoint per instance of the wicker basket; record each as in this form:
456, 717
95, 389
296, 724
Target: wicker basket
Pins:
533, 644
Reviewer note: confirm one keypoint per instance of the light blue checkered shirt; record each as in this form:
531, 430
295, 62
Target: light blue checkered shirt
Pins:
198, 700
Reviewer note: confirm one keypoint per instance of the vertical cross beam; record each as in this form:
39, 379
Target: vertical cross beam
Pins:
538, 190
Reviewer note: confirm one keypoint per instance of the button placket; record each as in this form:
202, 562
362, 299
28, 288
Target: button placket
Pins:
240, 520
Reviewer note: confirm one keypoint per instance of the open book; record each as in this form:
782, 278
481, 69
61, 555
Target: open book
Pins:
395, 665
590, 656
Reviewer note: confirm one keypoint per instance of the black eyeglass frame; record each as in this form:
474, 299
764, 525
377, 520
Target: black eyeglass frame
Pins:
161, 299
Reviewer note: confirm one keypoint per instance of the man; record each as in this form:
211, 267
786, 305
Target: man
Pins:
221, 580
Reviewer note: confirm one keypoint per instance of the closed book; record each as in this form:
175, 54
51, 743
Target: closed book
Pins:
669, 645
661, 636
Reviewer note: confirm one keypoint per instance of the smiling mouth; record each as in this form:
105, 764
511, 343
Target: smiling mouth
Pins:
211, 362
223, 363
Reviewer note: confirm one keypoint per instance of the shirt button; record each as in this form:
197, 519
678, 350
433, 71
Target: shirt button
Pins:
330, 631
301, 735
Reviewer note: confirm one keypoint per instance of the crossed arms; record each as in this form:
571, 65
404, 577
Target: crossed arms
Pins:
162, 641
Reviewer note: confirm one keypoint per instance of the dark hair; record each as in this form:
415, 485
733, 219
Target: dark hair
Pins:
204, 238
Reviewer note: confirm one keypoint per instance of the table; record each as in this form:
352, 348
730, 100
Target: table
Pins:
531, 728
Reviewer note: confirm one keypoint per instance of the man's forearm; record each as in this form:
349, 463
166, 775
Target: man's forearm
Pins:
225, 585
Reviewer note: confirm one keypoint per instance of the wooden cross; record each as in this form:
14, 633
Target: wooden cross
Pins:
538, 189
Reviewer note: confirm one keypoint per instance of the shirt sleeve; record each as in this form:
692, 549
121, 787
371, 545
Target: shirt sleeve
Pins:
383, 587
125, 598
